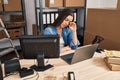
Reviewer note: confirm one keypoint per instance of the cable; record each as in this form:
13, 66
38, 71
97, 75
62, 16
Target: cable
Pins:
13, 73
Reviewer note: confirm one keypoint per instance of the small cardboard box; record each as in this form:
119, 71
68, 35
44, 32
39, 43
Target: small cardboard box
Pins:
1, 8
72, 3
12, 5
15, 33
16, 18
15, 24
54, 3
34, 27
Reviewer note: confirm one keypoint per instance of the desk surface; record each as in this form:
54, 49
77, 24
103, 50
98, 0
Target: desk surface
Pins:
91, 69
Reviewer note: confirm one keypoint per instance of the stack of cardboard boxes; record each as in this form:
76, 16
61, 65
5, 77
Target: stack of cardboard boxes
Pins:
64, 3
14, 22
112, 59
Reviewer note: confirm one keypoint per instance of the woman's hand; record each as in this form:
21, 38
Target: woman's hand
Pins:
66, 48
74, 33
72, 26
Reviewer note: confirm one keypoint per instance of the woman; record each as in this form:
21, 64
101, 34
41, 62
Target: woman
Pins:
66, 29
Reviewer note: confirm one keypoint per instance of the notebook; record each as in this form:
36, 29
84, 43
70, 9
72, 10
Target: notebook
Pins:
80, 54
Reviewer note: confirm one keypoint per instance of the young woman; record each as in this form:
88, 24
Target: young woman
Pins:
66, 29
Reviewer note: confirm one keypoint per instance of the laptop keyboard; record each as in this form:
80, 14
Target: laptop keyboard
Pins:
67, 57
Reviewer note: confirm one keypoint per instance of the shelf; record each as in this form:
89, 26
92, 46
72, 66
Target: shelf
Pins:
77, 7
6, 12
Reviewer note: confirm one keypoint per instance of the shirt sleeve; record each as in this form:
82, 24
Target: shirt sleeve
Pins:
71, 43
47, 31
50, 31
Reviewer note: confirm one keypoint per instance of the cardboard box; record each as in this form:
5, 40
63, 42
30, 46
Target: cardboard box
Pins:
2, 34
88, 37
54, 3
15, 33
113, 67
72, 3
1, 7
104, 22
16, 18
113, 60
118, 4
12, 5
34, 29
14, 24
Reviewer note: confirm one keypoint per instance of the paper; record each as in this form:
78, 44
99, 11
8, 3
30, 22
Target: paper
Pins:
51, 1
5, 1
112, 53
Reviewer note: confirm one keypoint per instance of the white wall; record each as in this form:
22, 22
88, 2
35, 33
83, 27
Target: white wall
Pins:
102, 3
30, 10
93, 3
30, 14
109, 3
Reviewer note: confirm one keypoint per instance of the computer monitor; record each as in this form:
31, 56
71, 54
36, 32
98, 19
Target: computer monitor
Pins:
40, 47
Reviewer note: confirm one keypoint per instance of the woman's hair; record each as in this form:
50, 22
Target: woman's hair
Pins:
62, 15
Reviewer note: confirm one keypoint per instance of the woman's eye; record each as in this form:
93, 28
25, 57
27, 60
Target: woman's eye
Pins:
66, 20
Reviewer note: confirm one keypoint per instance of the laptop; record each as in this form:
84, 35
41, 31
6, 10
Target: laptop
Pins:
80, 54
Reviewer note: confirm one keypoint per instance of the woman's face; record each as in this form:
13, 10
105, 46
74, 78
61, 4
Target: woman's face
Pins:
67, 21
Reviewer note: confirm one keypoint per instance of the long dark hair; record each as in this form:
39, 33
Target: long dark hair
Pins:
62, 15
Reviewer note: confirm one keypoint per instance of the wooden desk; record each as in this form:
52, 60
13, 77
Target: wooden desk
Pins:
91, 69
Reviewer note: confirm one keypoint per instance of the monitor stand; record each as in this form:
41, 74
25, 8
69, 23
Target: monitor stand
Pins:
41, 66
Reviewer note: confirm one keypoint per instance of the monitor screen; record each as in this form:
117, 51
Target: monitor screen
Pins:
46, 44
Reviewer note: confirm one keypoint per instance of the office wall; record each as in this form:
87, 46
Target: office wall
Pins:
30, 14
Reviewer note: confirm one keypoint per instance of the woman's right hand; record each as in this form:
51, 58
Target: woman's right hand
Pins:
72, 26
66, 48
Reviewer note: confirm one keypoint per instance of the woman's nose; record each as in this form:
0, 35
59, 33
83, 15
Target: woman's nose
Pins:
68, 22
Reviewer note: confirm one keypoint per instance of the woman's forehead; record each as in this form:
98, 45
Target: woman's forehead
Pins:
69, 17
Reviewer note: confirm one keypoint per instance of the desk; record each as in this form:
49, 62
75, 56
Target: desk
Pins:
91, 69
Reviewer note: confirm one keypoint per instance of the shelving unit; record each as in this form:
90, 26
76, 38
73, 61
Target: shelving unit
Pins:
14, 19
80, 17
